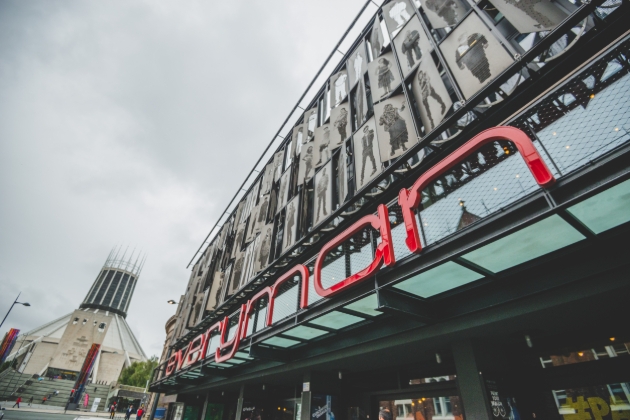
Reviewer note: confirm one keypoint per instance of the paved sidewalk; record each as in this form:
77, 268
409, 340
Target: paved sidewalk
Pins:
39, 408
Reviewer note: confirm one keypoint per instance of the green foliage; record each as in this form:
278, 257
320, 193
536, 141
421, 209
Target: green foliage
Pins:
138, 373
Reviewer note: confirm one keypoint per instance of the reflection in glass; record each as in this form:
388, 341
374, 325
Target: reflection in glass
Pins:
442, 408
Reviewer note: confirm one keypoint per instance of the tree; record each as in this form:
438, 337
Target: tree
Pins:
138, 373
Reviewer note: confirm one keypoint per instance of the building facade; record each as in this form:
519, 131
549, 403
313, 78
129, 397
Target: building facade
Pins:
439, 236
58, 348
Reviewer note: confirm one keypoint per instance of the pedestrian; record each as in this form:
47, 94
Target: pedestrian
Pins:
128, 412
44, 400
86, 400
56, 392
30, 401
112, 410
17, 402
140, 413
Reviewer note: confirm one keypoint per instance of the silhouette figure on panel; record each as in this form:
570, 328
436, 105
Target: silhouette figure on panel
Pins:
471, 54
395, 125
236, 274
385, 75
289, 225
528, 7
340, 88
445, 9
262, 213
266, 184
341, 123
252, 222
410, 46
238, 240
426, 91
265, 247
323, 147
358, 66
342, 176
299, 141
282, 193
399, 13
359, 102
312, 121
367, 143
375, 40
322, 188
308, 160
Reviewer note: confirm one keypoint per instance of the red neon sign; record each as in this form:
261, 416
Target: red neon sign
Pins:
384, 252
409, 200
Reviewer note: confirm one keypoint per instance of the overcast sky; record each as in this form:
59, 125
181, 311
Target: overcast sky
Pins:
133, 123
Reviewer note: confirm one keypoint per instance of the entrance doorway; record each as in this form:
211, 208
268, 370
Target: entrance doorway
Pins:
432, 399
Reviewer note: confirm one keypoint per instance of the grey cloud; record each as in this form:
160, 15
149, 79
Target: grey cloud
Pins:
134, 123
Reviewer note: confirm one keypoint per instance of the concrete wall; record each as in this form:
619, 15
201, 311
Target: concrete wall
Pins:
78, 338
110, 366
41, 356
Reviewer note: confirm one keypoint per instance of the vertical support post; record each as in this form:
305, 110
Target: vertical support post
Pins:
470, 383
205, 406
240, 402
156, 399
305, 413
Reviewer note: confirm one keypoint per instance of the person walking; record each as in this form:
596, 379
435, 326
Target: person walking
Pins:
112, 410
140, 413
128, 412
30, 401
44, 399
17, 402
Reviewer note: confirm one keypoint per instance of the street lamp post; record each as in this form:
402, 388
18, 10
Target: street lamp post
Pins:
14, 302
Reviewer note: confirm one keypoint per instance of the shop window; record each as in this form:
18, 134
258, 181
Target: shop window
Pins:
436, 408
586, 355
600, 402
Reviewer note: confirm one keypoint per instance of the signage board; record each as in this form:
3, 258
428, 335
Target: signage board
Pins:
409, 201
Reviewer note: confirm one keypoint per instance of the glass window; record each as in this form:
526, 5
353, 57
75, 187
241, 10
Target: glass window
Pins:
600, 402
280, 342
526, 244
437, 408
367, 305
305, 333
586, 355
605, 210
336, 320
439, 279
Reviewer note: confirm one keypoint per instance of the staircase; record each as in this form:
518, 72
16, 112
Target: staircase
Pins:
28, 386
